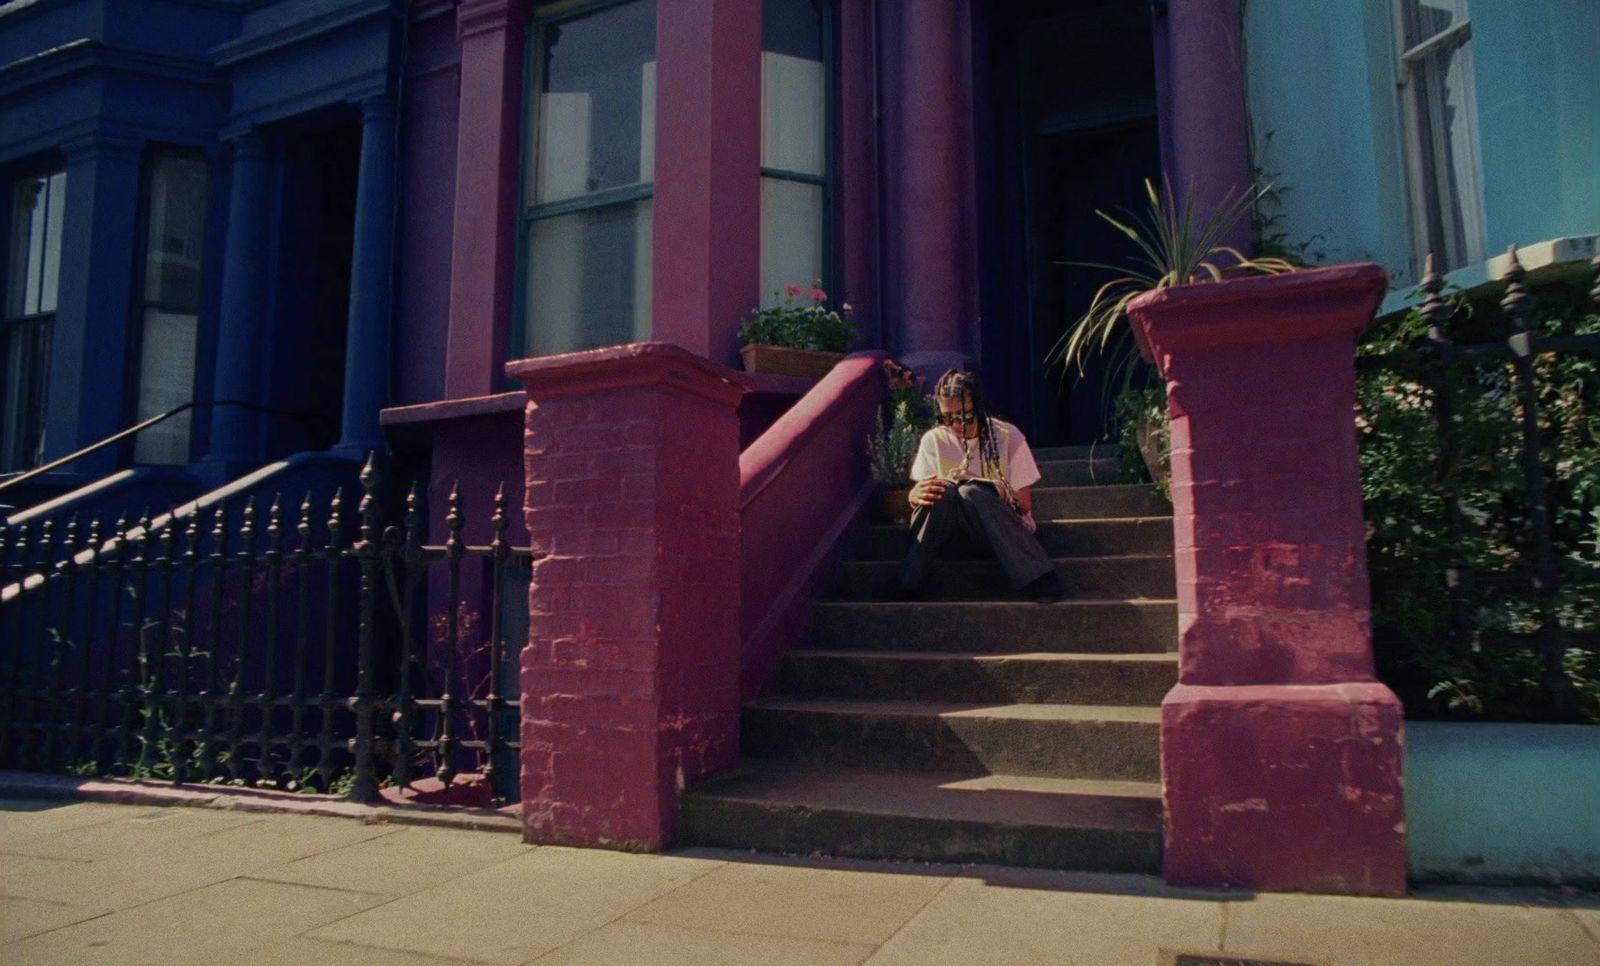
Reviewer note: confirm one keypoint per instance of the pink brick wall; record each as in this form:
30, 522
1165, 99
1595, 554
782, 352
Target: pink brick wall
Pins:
630, 682
1280, 752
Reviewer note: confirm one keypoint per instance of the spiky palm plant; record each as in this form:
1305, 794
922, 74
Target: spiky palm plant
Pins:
1177, 247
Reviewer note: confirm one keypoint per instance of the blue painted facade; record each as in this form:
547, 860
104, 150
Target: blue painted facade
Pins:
1327, 125
292, 106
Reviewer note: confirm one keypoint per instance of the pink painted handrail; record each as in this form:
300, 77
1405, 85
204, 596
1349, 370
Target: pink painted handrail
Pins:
802, 484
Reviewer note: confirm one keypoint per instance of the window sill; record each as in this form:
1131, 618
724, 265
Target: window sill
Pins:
1543, 261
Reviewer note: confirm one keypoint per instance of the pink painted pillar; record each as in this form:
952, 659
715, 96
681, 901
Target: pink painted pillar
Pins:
935, 204
630, 680
483, 235
1206, 127
1280, 751
706, 261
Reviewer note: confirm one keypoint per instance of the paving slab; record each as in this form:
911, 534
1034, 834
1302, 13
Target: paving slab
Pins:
138, 831
119, 876
21, 918
228, 922
659, 945
853, 904
519, 909
305, 951
1014, 918
27, 820
1354, 931
406, 861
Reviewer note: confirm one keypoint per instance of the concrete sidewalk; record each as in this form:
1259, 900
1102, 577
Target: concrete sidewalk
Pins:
102, 883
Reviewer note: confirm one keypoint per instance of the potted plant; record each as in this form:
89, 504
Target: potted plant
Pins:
902, 419
1176, 246
799, 336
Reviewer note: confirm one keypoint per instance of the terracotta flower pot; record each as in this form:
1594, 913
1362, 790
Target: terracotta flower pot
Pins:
894, 506
784, 361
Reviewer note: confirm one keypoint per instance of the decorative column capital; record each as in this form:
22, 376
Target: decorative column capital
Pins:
248, 145
475, 17
377, 108
102, 146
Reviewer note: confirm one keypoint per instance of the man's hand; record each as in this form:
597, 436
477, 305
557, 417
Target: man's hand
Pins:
927, 492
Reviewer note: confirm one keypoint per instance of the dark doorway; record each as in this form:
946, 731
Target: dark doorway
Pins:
1071, 123
316, 237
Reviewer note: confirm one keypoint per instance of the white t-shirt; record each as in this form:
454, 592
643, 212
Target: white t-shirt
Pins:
944, 454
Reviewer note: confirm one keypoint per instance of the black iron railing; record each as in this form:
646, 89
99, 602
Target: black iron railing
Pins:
265, 649
9, 480
1517, 585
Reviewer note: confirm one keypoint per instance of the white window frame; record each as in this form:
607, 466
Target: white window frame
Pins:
1447, 224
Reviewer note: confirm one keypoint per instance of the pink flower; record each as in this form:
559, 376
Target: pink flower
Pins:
846, 307
818, 295
792, 289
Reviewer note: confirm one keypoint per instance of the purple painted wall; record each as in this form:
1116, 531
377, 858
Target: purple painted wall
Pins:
428, 159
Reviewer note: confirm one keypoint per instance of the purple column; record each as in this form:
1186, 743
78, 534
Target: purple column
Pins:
1206, 128
482, 250
934, 202
855, 209
706, 260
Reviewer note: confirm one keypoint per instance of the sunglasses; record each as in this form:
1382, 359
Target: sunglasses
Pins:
962, 418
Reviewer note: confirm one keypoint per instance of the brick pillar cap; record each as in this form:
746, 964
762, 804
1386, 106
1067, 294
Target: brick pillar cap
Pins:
624, 366
1260, 309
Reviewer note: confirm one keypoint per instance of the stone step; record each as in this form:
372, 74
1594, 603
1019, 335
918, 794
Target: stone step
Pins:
1099, 502
997, 627
1116, 742
1103, 578
1111, 679
1059, 538
1099, 471
1047, 454
1002, 819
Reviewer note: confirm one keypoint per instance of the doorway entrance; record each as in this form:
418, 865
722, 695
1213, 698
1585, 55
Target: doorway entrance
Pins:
1071, 117
316, 237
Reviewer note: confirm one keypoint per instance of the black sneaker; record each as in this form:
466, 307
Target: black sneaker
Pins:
1045, 588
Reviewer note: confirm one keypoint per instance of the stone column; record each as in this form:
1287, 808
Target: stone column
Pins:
1280, 751
934, 212
234, 430
1206, 128
706, 250
89, 347
483, 237
630, 680
366, 357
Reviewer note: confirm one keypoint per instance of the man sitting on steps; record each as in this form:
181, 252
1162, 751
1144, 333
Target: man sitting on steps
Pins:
976, 473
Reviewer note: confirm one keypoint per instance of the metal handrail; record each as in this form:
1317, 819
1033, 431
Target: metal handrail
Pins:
139, 427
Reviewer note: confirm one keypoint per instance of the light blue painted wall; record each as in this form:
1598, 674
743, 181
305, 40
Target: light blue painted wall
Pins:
1537, 82
1502, 802
1325, 122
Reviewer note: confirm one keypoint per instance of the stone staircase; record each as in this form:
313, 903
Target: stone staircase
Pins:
972, 726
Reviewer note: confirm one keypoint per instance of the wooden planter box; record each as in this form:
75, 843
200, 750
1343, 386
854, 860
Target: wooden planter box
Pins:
784, 361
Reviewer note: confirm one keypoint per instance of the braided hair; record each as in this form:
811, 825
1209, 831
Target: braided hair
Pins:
956, 383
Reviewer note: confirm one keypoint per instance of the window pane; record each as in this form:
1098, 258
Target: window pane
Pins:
793, 92
791, 236
27, 368
594, 124
1441, 114
50, 265
588, 280
175, 237
166, 381
30, 206
1422, 19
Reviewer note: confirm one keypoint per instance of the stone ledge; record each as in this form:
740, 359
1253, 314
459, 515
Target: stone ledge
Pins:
124, 791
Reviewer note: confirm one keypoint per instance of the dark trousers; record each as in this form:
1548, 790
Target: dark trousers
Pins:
977, 510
